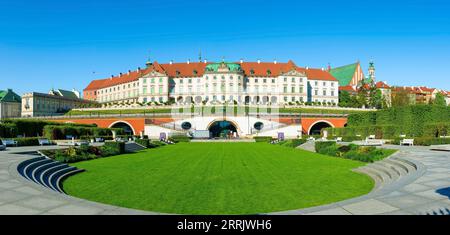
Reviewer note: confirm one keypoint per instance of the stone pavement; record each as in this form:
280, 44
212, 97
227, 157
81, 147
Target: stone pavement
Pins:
426, 191
20, 196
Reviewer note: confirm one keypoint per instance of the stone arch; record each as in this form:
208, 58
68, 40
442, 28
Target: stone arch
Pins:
273, 100
198, 99
317, 126
128, 128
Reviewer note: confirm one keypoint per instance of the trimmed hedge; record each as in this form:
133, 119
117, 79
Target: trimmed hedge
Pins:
179, 138
414, 121
61, 131
8, 130
29, 141
115, 146
319, 145
266, 139
32, 128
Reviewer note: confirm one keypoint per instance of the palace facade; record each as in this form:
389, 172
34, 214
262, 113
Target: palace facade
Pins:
215, 83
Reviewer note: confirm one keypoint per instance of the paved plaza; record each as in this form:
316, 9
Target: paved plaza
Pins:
425, 191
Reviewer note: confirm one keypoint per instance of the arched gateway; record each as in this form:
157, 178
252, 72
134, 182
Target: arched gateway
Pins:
222, 129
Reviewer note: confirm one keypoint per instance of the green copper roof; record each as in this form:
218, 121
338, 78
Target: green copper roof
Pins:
9, 96
68, 94
344, 74
232, 67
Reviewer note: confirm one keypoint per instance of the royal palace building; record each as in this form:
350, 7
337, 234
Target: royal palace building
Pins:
216, 83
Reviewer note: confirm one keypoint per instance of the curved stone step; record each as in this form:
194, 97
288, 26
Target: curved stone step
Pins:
30, 168
53, 179
36, 173
24, 164
375, 176
58, 183
392, 171
383, 178
398, 170
400, 166
409, 165
45, 175
385, 174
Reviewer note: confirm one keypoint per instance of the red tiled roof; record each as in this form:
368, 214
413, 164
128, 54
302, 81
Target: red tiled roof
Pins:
124, 78
261, 69
382, 85
414, 90
197, 69
426, 89
317, 74
184, 69
347, 88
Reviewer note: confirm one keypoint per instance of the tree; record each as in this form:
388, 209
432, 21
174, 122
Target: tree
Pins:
439, 100
344, 99
400, 98
376, 99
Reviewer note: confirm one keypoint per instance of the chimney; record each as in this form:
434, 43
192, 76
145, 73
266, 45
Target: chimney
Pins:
129, 71
205, 61
139, 69
241, 61
171, 62
121, 74
307, 67
189, 61
323, 69
275, 61
259, 61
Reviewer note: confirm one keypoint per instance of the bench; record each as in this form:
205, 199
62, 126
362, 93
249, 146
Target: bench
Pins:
409, 142
2, 146
9, 143
44, 142
372, 142
338, 139
99, 140
371, 137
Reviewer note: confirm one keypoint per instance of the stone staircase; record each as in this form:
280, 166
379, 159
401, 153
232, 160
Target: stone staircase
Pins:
46, 172
387, 171
132, 147
308, 146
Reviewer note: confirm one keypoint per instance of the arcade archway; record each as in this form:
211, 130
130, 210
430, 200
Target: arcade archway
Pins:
222, 129
127, 128
317, 127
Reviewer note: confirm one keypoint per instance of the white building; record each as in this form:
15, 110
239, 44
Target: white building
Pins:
202, 82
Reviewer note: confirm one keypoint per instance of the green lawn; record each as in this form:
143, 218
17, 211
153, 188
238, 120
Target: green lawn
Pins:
219, 178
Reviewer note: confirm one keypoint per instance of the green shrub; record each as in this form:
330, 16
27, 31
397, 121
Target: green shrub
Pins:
118, 147
29, 141
179, 138
266, 139
62, 131
319, 145
8, 130
352, 151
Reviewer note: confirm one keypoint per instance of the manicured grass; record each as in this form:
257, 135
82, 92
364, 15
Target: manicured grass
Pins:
219, 178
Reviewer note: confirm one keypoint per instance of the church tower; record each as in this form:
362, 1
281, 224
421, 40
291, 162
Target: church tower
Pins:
371, 71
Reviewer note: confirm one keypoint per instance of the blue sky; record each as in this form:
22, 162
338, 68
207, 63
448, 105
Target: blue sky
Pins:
66, 44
